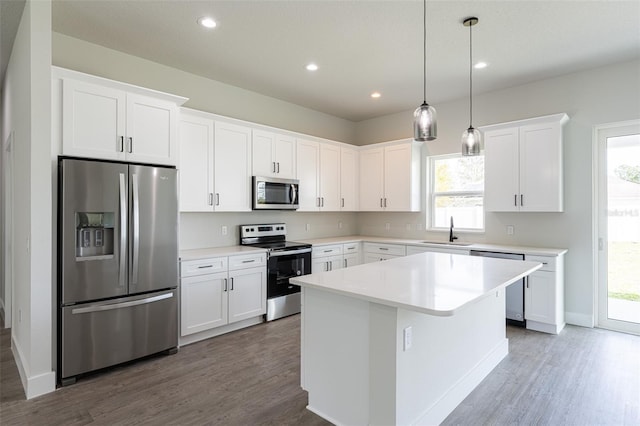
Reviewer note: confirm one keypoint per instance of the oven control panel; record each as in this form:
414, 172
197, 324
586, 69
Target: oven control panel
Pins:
263, 230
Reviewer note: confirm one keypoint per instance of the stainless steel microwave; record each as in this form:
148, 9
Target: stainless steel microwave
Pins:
274, 193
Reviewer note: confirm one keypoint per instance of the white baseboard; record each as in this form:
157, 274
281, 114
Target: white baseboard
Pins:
33, 385
581, 320
460, 390
207, 334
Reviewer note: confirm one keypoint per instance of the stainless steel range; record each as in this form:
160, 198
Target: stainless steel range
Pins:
285, 259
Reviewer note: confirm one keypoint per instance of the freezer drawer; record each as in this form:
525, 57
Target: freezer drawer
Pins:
98, 335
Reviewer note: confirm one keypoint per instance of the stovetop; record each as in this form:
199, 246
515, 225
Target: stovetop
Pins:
270, 236
281, 245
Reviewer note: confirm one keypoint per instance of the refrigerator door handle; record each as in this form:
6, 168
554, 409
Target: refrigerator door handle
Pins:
111, 306
123, 232
135, 229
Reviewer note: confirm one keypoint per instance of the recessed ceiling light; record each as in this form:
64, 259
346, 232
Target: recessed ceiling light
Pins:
312, 67
375, 95
480, 65
207, 22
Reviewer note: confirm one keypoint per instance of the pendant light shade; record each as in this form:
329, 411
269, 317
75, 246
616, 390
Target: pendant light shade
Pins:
425, 126
471, 138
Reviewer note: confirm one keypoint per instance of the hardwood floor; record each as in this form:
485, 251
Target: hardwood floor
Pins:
251, 377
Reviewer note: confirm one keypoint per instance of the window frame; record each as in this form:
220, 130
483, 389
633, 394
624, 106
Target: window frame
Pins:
431, 196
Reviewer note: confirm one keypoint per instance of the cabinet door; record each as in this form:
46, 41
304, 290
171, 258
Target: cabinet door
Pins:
196, 164
247, 293
351, 259
285, 156
541, 168
329, 177
371, 179
349, 178
151, 130
397, 178
319, 265
203, 302
377, 257
263, 163
232, 169
501, 170
93, 121
307, 164
539, 297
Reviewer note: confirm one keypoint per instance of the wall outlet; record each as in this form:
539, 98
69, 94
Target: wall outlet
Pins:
510, 230
224, 230
307, 227
407, 338
387, 226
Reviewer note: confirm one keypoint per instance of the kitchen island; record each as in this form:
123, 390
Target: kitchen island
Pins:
403, 341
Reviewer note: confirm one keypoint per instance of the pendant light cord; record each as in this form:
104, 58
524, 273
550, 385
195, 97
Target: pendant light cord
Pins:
424, 62
470, 79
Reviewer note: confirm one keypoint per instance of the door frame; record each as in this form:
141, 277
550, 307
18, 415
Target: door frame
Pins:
600, 226
7, 230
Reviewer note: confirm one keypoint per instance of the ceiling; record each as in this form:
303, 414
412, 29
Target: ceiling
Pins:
361, 46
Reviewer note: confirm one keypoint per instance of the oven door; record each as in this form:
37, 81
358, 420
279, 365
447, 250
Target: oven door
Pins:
283, 265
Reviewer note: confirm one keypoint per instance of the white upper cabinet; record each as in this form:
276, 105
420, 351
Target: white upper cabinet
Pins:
232, 169
318, 167
274, 155
214, 167
349, 178
108, 120
390, 177
196, 163
523, 165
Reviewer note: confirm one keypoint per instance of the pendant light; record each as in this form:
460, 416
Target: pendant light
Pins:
425, 127
471, 138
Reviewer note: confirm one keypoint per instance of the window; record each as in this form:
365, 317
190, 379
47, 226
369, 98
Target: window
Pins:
456, 186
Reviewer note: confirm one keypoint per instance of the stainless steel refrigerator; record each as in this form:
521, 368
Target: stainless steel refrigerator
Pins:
117, 264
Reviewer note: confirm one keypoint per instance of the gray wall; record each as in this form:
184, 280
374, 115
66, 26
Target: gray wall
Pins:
590, 98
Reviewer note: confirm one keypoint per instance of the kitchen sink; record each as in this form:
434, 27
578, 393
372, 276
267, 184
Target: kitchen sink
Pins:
447, 243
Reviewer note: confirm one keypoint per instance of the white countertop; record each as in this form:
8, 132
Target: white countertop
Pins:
431, 283
539, 251
195, 254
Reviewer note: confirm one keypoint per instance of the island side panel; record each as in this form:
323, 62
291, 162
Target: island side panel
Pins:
382, 364
448, 358
336, 356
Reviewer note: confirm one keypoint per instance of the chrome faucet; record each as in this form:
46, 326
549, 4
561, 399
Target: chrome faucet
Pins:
451, 237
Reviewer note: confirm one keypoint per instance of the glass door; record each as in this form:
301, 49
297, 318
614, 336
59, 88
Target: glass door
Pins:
619, 227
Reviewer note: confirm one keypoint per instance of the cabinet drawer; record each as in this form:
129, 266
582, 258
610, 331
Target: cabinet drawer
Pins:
390, 249
327, 250
548, 262
351, 248
247, 261
192, 268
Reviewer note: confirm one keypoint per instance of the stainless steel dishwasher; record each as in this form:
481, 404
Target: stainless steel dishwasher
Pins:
515, 291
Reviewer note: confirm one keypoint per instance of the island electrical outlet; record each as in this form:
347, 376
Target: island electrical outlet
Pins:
407, 338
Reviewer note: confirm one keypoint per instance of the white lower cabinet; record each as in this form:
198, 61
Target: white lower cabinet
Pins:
375, 252
335, 256
544, 295
221, 290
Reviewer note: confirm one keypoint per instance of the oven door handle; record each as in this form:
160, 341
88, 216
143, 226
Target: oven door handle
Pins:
288, 253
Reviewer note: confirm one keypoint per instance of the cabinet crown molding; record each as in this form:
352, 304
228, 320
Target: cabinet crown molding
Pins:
560, 118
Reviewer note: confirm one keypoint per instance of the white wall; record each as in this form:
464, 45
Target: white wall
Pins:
27, 113
590, 98
204, 94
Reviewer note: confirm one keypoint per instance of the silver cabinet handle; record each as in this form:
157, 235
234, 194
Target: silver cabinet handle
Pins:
321, 201
225, 284
122, 267
121, 143
521, 199
136, 229
217, 198
317, 201
278, 164
381, 202
232, 284
110, 306
248, 261
273, 167
130, 144
515, 200
385, 201
342, 203
345, 263
328, 251
384, 248
210, 198
205, 266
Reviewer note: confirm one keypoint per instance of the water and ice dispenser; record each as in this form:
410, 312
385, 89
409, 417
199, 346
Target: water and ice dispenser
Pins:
94, 235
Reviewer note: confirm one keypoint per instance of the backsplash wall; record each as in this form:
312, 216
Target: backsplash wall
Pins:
201, 230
